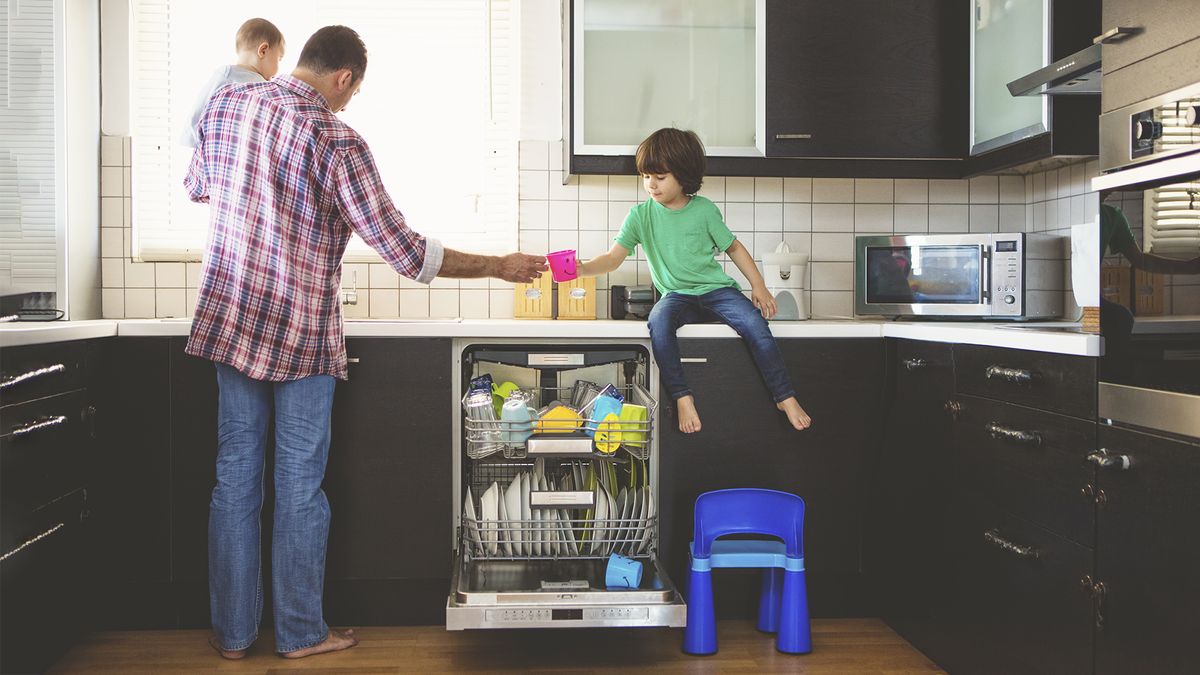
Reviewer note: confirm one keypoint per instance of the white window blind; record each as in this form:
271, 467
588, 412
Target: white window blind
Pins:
438, 109
1172, 220
29, 156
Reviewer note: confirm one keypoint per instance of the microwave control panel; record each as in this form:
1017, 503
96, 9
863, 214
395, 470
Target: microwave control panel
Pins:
1006, 282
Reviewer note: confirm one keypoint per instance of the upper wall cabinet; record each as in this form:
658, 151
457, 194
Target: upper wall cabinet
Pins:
1154, 49
773, 87
1011, 39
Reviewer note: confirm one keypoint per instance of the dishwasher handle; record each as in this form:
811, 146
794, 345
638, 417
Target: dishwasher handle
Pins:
562, 499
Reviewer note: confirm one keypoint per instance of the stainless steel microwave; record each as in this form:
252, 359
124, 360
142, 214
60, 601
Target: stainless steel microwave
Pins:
1012, 276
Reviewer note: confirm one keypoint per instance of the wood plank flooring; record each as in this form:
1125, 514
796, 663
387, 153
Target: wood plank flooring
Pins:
858, 646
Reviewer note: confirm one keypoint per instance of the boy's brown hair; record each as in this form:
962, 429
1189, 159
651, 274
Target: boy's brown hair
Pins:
335, 48
677, 152
255, 32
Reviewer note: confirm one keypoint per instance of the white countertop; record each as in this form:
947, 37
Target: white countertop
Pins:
1041, 336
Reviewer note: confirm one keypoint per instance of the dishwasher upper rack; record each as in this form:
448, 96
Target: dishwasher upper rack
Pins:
485, 438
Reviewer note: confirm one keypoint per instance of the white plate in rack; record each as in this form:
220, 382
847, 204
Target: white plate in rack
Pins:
488, 505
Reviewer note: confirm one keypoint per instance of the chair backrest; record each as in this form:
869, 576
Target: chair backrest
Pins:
749, 511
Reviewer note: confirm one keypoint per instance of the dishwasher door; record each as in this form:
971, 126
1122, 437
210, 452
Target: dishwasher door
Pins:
536, 520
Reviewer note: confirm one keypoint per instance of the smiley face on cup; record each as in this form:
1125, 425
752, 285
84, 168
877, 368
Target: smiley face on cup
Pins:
563, 265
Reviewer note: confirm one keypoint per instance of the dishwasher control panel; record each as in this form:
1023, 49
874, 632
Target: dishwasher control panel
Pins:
540, 614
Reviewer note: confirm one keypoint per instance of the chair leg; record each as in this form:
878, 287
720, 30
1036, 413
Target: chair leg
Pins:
795, 633
770, 599
700, 636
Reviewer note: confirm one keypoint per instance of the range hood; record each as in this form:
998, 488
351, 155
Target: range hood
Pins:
1078, 73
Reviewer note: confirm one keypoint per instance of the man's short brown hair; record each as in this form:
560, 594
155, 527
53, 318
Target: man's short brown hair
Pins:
677, 152
334, 48
255, 32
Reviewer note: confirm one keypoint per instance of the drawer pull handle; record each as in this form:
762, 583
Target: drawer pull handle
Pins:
1116, 33
1107, 460
993, 537
33, 541
915, 364
693, 359
792, 137
1003, 433
44, 423
33, 374
1015, 375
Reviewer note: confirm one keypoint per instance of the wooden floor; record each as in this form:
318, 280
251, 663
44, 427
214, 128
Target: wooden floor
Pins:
858, 646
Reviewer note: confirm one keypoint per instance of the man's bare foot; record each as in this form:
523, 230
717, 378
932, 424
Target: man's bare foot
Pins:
795, 413
689, 419
334, 642
231, 654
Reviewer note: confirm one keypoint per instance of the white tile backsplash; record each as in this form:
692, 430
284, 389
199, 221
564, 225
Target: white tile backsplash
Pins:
873, 191
833, 190
739, 189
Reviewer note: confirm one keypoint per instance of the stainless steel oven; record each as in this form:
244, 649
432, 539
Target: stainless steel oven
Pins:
988, 275
539, 509
1150, 303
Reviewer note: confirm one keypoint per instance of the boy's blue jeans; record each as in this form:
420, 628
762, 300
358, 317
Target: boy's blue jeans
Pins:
730, 307
302, 410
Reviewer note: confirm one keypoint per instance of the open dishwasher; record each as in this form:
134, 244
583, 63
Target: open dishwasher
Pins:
540, 505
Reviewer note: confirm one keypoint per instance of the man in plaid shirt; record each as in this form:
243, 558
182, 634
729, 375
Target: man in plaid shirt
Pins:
287, 183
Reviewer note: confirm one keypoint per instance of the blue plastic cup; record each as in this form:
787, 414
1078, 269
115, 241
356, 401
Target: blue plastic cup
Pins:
623, 572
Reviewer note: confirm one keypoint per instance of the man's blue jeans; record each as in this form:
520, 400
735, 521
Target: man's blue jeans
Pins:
730, 307
302, 410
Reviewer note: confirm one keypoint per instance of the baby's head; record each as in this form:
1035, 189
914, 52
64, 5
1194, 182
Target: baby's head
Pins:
675, 152
260, 46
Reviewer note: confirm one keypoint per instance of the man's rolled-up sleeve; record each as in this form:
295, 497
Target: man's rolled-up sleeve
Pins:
366, 205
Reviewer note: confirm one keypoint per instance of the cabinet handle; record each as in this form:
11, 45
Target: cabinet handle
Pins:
1015, 375
33, 374
792, 137
954, 408
33, 541
353, 359
1107, 460
1116, 34
993, 537
1004, 433
693, 359
915, 364
43, 423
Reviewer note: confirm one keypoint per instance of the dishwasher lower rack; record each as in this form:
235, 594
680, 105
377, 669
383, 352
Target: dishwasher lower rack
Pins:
488, 437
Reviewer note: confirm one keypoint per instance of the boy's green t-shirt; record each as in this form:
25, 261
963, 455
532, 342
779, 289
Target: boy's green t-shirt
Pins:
679, 245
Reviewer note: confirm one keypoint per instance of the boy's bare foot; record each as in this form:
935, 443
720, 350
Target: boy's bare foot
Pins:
334, 642
689, 419
231, 654
795, 413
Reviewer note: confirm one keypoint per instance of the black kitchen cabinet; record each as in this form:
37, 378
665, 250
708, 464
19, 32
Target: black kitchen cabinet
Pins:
904, 552
866, 79
1147, 590
746, 442
1162, 54
47, 452
389, 483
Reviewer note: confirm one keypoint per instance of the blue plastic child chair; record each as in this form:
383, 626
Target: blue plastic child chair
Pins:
783, 605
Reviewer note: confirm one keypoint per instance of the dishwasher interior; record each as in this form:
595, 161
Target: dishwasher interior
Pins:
546, 495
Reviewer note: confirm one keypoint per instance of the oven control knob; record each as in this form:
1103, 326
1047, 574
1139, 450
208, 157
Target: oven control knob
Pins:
1008, 299
1192, 115
1148, 130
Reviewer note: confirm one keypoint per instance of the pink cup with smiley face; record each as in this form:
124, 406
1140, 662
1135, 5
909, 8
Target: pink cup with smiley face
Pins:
563, 265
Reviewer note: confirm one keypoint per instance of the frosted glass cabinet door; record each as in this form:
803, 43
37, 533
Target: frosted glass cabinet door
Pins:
1008, 40
640, 65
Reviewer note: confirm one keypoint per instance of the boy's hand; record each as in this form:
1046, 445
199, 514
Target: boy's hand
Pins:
520, 267
764, 301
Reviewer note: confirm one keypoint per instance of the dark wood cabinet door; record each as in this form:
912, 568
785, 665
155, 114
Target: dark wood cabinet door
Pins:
1056, 382
1147, 553
746, 442
131, 494
1031, 463
866, 79
1016, 603
1162, 24
389, 482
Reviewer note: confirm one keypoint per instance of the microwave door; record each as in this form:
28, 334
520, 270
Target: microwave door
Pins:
928, 279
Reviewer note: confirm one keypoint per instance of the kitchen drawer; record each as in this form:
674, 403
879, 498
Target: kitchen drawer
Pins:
1163, 24
1056, 382
35, 371
1031, 463
922, 372
1016, 604
44, 448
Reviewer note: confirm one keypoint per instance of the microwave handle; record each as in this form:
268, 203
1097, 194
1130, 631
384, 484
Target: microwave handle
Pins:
985, 270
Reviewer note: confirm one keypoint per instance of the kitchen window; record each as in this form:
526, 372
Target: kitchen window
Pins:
438, 109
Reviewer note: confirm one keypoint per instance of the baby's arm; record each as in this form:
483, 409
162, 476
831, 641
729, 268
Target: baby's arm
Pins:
605, 262
759, 294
